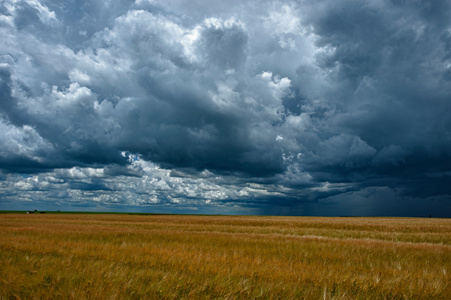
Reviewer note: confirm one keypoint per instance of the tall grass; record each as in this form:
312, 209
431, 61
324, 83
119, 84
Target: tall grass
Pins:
190, 257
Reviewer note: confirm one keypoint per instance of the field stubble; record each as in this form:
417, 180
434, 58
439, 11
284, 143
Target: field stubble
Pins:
174, 257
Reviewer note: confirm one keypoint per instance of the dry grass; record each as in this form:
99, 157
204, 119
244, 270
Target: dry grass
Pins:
190, 257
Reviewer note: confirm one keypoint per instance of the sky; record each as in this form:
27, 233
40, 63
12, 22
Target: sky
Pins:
325, 108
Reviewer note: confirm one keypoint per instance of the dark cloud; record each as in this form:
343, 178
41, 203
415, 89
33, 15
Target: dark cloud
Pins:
312, 107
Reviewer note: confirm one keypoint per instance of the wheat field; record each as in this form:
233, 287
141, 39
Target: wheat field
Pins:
101, 256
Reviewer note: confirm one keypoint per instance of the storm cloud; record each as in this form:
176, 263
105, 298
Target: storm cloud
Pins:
258, 107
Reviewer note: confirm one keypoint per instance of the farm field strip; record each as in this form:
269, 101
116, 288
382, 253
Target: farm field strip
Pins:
173, 257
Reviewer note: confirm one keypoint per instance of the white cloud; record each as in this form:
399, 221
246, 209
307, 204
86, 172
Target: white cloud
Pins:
45, 15
283, 19
22, 142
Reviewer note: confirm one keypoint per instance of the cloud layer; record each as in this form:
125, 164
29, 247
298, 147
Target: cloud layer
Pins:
273, 107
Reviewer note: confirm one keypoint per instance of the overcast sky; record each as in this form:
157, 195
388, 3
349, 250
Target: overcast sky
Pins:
330, 107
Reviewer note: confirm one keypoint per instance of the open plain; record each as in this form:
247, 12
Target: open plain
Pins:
120, 256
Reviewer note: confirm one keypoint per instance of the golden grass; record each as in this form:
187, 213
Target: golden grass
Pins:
189, 257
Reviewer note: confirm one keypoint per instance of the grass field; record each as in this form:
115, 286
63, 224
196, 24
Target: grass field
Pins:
81, 256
